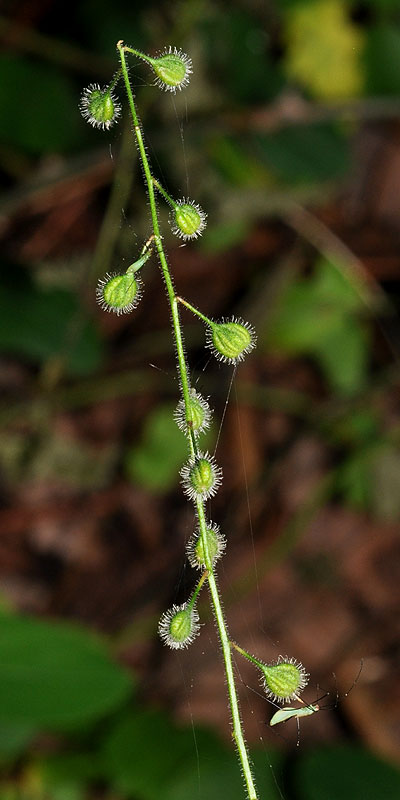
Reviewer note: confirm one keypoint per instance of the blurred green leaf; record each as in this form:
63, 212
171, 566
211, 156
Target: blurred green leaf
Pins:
156, 461
56, 676
370, 480
354, 478
148, 756
324, 48
346, 773
317, 316
40, 323
382, 60
304, 153
144, 753
40, 106
240, 58
234, 163
14, 738
218, 238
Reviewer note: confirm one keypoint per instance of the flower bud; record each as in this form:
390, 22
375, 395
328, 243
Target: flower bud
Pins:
172, 68
199, 414
231, 340
284, 680
119, 294
216, 544
179, 626
188, 220
201, 477
99, 106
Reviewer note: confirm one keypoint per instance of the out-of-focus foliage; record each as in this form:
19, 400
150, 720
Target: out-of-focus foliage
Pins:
318, 316
262, 135
346, 772
324, 49
57, 678
41, 322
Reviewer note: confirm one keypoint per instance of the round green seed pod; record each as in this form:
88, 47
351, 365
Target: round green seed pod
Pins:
172, 68
284, 680
179, 626
99, 107
201, 477
199, 414
119, 294
216, 544
231, 340
188, 220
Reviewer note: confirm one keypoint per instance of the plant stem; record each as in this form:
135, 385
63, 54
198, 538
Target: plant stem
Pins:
165, 194
245, 654
184, 380
195, 311
198, 589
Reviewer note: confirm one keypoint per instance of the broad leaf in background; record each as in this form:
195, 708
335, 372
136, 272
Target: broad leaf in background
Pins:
369, 480
15, 737
25, 124
38, 324
148, 757
55, 676
346, 773
324, 49
317, 316
382, 59
304, 153
241, 54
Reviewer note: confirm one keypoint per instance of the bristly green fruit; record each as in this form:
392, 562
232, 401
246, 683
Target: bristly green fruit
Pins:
179, 626
197, 418
188, 220
231, 340
201, 477
119, 294
99, 107
172, 68
284, 680
216, 544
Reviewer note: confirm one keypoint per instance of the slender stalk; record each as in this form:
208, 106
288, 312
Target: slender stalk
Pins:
165, 194
245, 653
184, 380
194, 311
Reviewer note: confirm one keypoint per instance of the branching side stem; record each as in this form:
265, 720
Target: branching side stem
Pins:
184, 380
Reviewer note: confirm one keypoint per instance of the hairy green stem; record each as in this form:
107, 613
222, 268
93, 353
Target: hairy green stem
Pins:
195, 311
165, 194
184, 380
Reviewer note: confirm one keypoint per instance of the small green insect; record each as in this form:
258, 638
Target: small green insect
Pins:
283, 714
293, 713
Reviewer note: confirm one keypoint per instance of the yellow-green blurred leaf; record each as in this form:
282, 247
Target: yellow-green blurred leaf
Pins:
324, 49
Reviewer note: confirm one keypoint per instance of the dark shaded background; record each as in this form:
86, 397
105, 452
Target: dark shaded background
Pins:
289, 137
